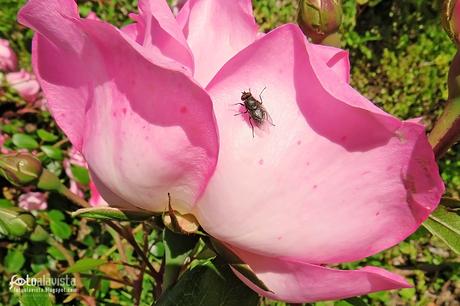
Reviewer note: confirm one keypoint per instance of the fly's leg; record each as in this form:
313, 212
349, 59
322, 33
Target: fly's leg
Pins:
260, 95
252, 126
241, 113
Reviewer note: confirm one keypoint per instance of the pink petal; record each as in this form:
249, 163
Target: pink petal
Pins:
25, 84
8, 60
300, 282
33, 201
336, 59
145, 130
335, 180
157, 29
96, 199
92, 16
216, 30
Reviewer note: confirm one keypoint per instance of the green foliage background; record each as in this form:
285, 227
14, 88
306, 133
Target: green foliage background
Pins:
400, 59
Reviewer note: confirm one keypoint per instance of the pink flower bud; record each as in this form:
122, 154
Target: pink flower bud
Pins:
25, 84
319, 18
33, 201
20, 169
8, 60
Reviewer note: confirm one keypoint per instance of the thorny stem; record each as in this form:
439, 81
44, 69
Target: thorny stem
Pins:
130, 238
73, 197
107, 278
139, 281
68, 257
122, 231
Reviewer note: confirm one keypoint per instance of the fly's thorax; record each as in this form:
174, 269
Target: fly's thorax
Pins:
251, 103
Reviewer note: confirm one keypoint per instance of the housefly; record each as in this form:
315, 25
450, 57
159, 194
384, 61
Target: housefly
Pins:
255, 109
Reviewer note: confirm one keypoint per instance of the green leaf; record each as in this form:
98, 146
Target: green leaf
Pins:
61, 229
445, 224
14, 260
55, 253
356, 301
177, 249
4, 203
111, 213
202, 286
81, 174
52, 152
236, 263
35, 296
407, 293
46, 136
24, 141
39, 234
56, 215
84, 265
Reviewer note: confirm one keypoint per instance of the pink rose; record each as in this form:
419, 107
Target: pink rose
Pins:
25, 84
75, 158
33, 201
3, 138
8, 60
96, 199
152, 109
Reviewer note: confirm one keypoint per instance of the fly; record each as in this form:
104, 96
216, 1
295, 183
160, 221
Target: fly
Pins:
255, 109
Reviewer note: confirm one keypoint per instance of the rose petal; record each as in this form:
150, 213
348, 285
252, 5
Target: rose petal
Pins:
25, 84
336, 59
216, 30
144, 130
157, 29
96, 199
335, 180
300, 282
8, 59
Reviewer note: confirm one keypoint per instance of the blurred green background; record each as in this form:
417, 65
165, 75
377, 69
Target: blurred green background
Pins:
400, 59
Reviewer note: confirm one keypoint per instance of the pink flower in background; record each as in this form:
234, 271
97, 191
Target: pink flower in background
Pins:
33, 201
3, 138
75, 158
8, 60
96, 200
92, 16
25, 84
152, 109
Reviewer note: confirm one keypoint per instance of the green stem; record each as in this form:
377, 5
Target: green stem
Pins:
68, 257
73, 197
130, 238
446, 131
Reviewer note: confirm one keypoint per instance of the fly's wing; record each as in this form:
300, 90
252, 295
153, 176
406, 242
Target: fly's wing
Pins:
267, 116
